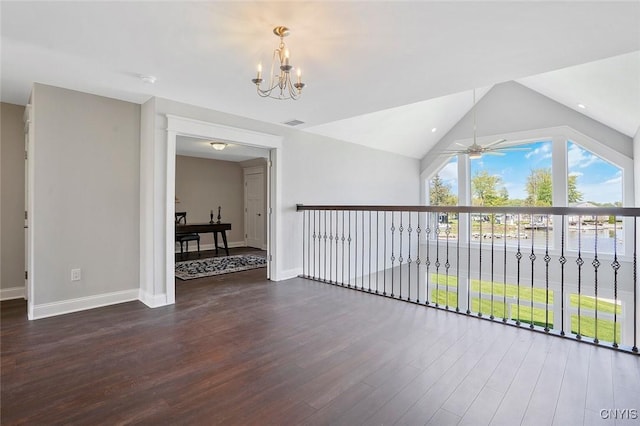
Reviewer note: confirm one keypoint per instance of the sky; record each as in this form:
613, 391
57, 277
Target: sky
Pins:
598, 180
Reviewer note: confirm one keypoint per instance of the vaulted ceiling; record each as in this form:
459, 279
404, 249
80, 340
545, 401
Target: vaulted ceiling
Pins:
381, 74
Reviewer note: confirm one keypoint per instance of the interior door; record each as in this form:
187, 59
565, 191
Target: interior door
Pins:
255, 215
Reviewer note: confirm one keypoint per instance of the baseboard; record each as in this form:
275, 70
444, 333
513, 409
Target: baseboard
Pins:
12, 293
194, 247
152, 301
83, 303
288, 274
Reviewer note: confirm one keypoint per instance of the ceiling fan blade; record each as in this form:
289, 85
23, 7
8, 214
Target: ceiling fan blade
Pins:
495, 143
459, 144
493, 153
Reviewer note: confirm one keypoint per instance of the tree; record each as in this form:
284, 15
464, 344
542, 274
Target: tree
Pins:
440, 193
572, 186
539, 188
485, 190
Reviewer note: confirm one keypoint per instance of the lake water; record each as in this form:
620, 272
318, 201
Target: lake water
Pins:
586, 238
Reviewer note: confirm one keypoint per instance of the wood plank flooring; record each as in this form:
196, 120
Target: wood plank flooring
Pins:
237, 349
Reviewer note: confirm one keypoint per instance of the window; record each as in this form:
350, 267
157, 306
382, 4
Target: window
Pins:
593, 182
443, 186
518, 176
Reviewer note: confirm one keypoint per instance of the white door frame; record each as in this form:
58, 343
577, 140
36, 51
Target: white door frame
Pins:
28, 118
181, 126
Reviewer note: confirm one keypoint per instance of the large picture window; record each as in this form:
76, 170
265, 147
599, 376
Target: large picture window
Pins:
525, 175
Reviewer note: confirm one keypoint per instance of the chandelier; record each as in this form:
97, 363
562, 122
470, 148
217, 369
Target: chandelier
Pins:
279, 85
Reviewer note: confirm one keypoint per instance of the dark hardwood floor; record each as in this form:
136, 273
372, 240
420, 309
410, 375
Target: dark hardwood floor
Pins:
242, 350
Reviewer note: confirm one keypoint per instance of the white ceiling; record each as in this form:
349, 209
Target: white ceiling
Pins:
194, 147
382, 74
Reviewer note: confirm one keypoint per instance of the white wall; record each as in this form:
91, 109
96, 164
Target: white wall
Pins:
87, 200
204, 184
12, 262
320, 170
511, 108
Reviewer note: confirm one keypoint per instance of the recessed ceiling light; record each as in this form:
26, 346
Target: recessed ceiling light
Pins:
434, 130
582, 106
148, 78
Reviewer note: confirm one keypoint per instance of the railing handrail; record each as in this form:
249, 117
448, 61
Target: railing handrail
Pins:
576, 211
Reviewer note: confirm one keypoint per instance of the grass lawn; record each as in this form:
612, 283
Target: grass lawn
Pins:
522, 312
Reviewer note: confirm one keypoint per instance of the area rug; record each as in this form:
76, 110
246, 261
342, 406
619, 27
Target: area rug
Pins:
191, 269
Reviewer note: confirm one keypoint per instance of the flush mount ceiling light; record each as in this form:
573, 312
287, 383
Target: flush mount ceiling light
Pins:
218, 146
279, 84
581, 106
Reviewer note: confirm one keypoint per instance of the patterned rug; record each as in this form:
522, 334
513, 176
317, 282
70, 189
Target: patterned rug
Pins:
191, 269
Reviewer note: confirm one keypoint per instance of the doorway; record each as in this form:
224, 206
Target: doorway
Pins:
180, 126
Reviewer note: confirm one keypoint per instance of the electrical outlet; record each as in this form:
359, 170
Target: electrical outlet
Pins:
75, 275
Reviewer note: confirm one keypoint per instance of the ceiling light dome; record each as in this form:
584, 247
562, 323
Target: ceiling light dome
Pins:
218, 146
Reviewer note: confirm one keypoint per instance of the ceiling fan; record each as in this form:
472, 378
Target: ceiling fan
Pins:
475, 150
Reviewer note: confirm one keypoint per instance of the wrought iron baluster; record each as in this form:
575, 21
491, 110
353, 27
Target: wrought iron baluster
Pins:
532, 258
400, 259
480, 267
384, 256
355, 252
330, 244
563, 261
547, 259
377, 249
349, 253
458, 266
437, 263
616, 266
418, 231
324, 274
337, 242
493, 218
579, 262
393, 256
304, 222
519, 258
428, 261
309, 243
314, 244
363, 253
342, 240
409, 229
596, 264
469, 238
504, 272
447, 264
369, 251
635, 285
